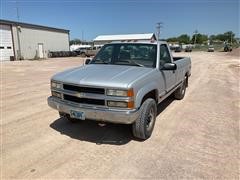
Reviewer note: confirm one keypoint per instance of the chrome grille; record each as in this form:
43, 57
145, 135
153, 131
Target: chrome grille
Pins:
84, 95
84, 100
83, 89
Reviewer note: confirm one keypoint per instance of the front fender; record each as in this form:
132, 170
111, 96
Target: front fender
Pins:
143, 91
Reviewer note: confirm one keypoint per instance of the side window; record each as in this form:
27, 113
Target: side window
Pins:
164, 55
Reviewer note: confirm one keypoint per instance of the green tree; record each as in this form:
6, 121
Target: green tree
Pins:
75, 41
172, 39
200, 38
184, 38
228, 36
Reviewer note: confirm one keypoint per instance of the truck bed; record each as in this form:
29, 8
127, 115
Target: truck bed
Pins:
177, 58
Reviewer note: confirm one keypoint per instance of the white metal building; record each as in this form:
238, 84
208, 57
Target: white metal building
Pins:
28, 41
103, 39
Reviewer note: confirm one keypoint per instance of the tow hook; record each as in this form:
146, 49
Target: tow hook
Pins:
102, 124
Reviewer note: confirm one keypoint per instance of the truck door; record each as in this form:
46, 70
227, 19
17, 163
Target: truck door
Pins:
169, 77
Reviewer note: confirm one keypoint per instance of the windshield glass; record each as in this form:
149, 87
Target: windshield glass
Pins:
127, 54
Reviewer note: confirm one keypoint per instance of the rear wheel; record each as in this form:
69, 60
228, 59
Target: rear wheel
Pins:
142, 128
83, 54
180, 92
67, 117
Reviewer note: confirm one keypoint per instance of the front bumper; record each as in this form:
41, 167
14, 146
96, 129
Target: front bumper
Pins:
95, 113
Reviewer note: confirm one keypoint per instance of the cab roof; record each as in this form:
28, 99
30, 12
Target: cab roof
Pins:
139, 42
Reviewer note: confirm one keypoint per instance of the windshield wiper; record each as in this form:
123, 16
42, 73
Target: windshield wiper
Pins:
101, 62
129, 62
137, 64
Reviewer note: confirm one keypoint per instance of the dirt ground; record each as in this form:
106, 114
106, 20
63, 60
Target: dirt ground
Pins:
197, 137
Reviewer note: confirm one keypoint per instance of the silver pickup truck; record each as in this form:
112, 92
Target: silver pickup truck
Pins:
122, 84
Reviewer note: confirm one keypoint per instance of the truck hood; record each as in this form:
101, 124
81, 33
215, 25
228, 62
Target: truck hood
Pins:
102, 75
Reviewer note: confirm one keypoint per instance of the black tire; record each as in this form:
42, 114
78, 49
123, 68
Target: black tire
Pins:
180, 92
50, 55
83, 54
67, 117
142, 128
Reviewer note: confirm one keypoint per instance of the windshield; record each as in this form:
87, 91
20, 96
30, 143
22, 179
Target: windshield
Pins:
127, 54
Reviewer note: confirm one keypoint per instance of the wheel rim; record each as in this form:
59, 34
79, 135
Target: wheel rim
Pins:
149, 120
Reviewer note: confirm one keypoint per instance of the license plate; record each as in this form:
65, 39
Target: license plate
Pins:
77, 115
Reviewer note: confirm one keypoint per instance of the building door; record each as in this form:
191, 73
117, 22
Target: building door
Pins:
6, 45
40, 50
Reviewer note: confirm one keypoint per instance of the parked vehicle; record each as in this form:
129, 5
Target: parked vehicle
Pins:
178, 49
172, 48
211, 48
80, 51
87, 52
92, 51
122, 84
227, 48
188, 49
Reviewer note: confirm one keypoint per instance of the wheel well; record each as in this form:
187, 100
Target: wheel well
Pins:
152, 94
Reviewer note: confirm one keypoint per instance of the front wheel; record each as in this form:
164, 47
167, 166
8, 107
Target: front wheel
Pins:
142, 128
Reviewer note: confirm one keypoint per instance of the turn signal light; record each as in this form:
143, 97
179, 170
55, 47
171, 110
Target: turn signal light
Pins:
130, 104
130, 93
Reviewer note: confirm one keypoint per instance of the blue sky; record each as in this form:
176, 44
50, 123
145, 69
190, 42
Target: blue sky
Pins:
97, 17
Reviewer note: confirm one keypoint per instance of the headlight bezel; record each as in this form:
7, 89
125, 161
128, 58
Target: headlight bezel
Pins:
120, 92
56, 85
120, 104
56, 94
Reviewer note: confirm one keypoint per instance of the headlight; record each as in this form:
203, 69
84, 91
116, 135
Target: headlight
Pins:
56, 94
120, 104
116, 92
55, 85
117, 104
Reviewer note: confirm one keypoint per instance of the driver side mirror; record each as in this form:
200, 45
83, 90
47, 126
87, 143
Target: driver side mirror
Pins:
87, 61
169, 67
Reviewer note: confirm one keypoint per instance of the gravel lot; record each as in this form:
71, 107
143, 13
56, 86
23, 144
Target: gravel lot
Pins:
197, 137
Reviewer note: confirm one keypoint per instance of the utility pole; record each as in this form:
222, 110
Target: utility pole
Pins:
158, 27
195, 36
19, 54
82, 35
18, 17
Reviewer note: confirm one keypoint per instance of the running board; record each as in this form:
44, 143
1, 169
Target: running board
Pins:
161, 98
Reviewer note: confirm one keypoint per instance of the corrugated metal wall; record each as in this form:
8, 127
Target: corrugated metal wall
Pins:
31, 38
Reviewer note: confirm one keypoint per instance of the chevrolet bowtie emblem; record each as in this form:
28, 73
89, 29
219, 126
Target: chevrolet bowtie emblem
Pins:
81, 94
